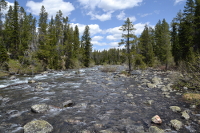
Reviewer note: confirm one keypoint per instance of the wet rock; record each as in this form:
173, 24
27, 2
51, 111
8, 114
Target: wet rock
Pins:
199, 122
145, 81
156, 119
38, 88
12, 77
137, 72
105, 131
38, 126
1, 97
149, 102
185, 88
68, 103
176, 124
134, 129
165, 89
167, 96
130, 95
154, 129
185, 115
85, 131
31, 81
156, 80
150, 85
175, 108
40, 108
193, 106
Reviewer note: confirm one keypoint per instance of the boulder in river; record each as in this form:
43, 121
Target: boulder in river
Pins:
68, 103
175, 108
185, 115
154, 129
12, 77
156, 119
40, 108
38, 126
176, 124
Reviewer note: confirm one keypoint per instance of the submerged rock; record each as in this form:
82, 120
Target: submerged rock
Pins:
134, 129
31, 81
154, 129
156, 80
176, 124
68, 103
38, 126
156, 119
40, 108
175, 108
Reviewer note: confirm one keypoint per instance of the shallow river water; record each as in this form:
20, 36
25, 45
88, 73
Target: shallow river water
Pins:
103, 102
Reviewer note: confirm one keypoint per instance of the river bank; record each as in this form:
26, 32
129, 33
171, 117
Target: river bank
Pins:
101, 102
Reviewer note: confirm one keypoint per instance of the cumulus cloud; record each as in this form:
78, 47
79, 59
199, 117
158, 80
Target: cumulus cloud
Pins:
94, 28
178, 1
51, 6
109, 5
97, 38
103, 17
122, 16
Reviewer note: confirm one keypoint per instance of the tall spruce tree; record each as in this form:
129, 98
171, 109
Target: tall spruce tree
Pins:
87, 46
146, 46
3, 7
128, 39
197, 26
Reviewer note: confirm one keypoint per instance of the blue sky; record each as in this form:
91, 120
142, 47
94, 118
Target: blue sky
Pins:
106, 16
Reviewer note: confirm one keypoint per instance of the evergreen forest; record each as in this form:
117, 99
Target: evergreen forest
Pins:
25, 48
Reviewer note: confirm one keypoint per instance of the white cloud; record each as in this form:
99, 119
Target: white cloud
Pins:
122, 16
178, 1
98, 43
109, 5
103, 17
94, 28
97, 38
146, 14
51, 6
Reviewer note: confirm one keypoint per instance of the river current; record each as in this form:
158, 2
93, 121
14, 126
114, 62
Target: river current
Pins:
103, 102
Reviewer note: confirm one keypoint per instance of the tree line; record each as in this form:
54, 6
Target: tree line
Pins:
163, 45
57, 45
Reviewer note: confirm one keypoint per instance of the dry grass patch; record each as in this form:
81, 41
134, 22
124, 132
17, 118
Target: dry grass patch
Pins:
192, 97
108, 69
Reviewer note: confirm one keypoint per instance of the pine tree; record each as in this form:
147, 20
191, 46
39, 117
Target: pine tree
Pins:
87, 46
176, 47
128, 39
76, 45
3, 7
197, 26
146, 48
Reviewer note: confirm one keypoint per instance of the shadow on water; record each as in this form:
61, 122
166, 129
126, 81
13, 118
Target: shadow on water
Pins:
101, 102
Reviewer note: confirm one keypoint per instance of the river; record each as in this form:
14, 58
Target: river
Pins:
102, 102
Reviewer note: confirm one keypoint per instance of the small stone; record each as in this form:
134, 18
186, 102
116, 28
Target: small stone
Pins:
154, 129
31, 81
85, 131
12, 77
199, 122
167, 96
68, 103
156, 80
149, 102
193, 106
176, 124
175, 108
40, 108
105, 131
185, 88
185, 115
149, 85
130, 95
38, 126
156, 119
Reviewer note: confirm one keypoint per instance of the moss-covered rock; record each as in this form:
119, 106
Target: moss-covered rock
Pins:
154, 129
38, 126
176, 124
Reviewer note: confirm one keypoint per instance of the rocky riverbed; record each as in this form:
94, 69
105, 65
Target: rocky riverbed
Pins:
91, 101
